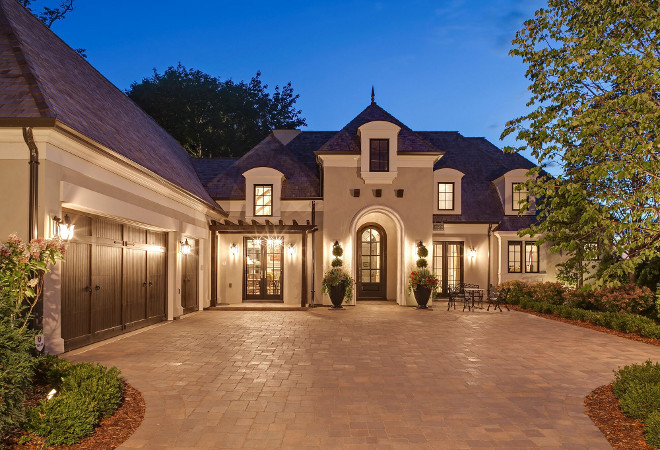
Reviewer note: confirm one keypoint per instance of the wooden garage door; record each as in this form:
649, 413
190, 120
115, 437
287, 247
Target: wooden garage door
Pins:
113, 280
189, 278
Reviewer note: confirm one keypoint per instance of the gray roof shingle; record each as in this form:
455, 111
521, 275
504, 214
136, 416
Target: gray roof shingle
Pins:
42, 77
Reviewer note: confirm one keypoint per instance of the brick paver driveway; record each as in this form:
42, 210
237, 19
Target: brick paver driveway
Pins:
375, 375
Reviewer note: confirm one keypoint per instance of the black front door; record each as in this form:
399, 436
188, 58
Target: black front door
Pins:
263, 270
448, 264
371, 274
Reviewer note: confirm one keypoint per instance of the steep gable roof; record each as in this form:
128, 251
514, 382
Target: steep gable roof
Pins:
347, 139
41, 77
300, 180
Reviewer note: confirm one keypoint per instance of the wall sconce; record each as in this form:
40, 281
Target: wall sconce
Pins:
233, 250
185, 247
292, 249
472, 253
63, 228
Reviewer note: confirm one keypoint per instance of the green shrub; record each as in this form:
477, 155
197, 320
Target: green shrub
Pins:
652, 429
50, 371
635, 374
88, 393
640, 400
17, 364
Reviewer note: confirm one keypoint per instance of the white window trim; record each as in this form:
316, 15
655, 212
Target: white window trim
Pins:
263, 175
378, 130
447, 175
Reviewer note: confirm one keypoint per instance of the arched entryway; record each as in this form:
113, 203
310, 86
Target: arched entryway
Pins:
371, 280
393, 257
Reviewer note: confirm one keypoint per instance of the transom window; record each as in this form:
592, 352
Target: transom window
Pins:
379, 155
445, 196
263, 199
518, 194
530, 259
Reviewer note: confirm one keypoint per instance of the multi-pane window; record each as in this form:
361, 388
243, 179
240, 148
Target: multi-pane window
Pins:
263, 199
448, 264
529, 260
518, 194
445, 196
379, 155
263, 271
531, 257
515, 257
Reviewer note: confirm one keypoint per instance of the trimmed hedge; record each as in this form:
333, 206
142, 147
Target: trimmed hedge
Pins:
637, 387
87, 394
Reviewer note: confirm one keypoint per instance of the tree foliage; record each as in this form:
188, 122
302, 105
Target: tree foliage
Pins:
594, 71
50, 15
215, 118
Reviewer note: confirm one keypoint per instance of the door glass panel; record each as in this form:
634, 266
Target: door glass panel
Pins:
273, 266
253, 263
438, 262
453, 264
370, 259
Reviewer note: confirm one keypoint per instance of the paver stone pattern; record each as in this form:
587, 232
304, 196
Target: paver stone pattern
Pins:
370, 376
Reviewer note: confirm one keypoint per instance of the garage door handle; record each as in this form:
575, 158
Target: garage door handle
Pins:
88, 289
97, 287
144, 284
150, 284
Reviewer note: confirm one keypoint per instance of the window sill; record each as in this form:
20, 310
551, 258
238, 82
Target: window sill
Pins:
263, 218
378, 177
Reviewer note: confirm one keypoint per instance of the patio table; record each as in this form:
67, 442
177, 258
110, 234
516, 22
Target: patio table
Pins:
475, 293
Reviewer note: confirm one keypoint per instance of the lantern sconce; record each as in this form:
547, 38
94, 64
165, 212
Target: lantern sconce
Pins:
472, 253
233, 249
63, 228
292, 249
185, 247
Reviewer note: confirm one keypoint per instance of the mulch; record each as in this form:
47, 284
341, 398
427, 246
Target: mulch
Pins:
110, 433
622, 432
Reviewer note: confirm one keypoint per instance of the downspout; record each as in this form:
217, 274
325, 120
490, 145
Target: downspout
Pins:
33, 229
313, 252
214, 268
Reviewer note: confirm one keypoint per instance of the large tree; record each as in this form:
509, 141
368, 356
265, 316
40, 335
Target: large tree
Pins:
215, 118
594, 68
47, 14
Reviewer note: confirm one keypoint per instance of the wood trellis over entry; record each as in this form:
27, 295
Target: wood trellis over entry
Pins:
260, 229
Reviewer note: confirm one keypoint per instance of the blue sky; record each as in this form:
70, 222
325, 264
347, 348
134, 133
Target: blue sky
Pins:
435, 65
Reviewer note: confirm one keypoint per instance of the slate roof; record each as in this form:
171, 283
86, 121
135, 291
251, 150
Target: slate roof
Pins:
209, 168
43, 79
478, 159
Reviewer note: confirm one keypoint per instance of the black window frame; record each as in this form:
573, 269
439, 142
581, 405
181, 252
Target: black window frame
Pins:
515, 205
380, 160
264, 296
272, 200
538, 256
518, 244
453, 195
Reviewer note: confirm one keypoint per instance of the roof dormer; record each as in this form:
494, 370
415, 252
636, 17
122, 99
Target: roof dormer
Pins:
378, 152
263, 193
511, 189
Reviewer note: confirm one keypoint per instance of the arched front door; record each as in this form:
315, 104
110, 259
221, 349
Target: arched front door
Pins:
371, 273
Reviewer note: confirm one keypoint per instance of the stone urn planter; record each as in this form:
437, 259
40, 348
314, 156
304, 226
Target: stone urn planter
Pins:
422, 295
337, 294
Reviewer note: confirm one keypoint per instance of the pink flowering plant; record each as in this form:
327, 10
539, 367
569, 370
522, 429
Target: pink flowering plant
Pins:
22, 270
422, 276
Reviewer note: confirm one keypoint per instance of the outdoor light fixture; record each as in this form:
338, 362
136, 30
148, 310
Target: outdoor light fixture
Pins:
185, 247
292, 249
233, 250
64, 228
472, 253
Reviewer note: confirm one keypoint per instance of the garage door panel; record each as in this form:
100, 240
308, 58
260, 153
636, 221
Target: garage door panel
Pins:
106, 297
157, 283
75, 294
135, 285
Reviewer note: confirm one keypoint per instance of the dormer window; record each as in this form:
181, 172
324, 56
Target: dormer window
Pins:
445, 196
263, 199
379, 155
518, 195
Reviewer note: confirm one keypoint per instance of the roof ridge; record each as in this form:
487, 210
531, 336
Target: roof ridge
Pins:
24, 64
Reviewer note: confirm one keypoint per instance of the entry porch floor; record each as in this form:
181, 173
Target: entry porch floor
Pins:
370, 376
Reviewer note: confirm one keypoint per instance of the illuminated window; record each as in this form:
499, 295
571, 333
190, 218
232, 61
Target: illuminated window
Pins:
263, 199
531, 257
445, 196
518, 194
379, 155
515, 257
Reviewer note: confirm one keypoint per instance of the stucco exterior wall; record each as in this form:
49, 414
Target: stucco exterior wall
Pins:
547, 260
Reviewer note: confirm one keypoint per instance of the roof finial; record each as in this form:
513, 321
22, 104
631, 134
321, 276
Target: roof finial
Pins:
373, 97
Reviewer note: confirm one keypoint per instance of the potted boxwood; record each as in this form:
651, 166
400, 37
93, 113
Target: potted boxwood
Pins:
421, 281
337, 283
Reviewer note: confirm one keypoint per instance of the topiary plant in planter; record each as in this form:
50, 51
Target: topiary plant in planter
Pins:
337, 283
422, 282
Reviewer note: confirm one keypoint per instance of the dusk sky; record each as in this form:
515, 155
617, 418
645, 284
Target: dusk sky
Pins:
435, 65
